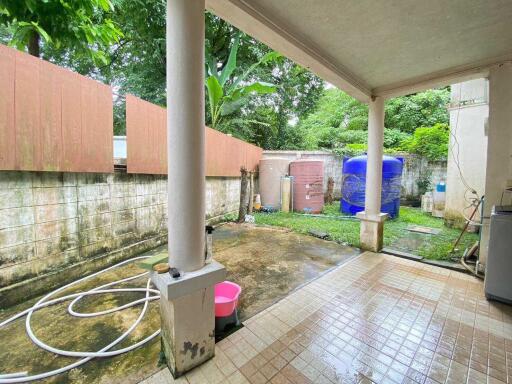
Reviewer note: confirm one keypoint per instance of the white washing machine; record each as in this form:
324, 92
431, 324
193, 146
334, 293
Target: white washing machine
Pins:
498, 272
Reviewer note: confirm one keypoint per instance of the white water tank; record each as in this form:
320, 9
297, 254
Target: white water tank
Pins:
271, 171
439, 200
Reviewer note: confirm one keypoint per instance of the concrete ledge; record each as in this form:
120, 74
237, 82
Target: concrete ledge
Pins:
25, 290
446, 264
381, 217
405, 255
438, 263
189, 282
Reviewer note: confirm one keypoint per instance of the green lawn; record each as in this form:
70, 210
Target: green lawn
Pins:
347, 231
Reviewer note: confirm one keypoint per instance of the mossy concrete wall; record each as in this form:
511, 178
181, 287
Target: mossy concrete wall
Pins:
52, 222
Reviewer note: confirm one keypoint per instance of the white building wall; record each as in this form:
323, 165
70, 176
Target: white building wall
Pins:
499, 152
467, 154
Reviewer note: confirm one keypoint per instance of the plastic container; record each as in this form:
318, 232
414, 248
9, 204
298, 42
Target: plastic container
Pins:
226, 298
257, 202
286, 190
427, 202
270, 172
353, 186
308, 185
439, 199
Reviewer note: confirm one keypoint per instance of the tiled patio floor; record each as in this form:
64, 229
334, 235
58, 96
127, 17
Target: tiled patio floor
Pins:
375, 319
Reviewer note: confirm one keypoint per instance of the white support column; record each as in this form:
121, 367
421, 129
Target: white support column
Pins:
372, 220
499, 147
185, 133
187, 303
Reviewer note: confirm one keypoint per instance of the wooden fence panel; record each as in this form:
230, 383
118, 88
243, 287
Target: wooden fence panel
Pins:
72, 120
97, 119
52, 119
7, 132
27, 107
146, 137
254, 155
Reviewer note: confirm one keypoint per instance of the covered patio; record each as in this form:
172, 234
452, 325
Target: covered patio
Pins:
375, 319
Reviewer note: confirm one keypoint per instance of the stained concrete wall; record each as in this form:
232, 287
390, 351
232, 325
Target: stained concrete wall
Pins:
417, 168
467, 153
414, 168
51, 222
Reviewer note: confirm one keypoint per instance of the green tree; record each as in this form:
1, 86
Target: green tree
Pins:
422, 109
429, 142
138, 66
298, 91
81, 26
336, 116
227, 94
340, 122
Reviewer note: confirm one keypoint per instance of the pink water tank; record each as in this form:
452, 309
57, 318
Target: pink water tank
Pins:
308, 185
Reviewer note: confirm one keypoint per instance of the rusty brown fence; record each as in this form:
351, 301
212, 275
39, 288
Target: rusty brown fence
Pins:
52, 119
147, 144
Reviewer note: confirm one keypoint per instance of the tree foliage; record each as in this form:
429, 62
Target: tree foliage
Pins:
226, 93
83, 27
429, 142
422, 109
340, 122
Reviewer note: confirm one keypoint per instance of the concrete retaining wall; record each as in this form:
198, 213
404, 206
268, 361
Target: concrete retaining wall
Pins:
51, 222
414, 168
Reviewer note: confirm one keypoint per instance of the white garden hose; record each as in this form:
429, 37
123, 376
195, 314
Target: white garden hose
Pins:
22, 377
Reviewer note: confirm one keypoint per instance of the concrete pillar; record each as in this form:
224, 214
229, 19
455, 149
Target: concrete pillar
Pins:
372, 220
185, 133
499, 147
187, 303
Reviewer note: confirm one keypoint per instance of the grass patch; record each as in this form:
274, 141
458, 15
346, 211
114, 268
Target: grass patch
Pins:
347, 231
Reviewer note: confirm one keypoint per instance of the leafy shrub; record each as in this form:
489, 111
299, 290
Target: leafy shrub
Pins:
352, 137
393, 138
422, 109
350, 150
429, 142
424, 182
358, 123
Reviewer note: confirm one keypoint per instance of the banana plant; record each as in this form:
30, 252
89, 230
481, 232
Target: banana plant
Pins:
227, 95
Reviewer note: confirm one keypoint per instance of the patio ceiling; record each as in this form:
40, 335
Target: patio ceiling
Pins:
388, 48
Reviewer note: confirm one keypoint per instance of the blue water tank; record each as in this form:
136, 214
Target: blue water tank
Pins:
354, 183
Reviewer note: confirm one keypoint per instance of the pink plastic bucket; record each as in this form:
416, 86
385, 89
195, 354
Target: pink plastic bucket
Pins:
226, 298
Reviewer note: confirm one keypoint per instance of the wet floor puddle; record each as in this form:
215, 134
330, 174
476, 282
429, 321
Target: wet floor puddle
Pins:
268, 263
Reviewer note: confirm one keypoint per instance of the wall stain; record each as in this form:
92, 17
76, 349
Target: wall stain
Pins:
193, 348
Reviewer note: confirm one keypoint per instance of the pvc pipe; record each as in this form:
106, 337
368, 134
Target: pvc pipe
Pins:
22, 377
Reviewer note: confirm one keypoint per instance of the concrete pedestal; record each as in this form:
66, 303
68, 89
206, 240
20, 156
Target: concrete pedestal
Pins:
372, 231
187, 311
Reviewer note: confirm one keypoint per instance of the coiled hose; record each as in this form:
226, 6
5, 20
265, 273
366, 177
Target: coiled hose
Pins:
22, 377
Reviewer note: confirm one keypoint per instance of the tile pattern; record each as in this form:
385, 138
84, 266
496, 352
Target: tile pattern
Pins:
375, 319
